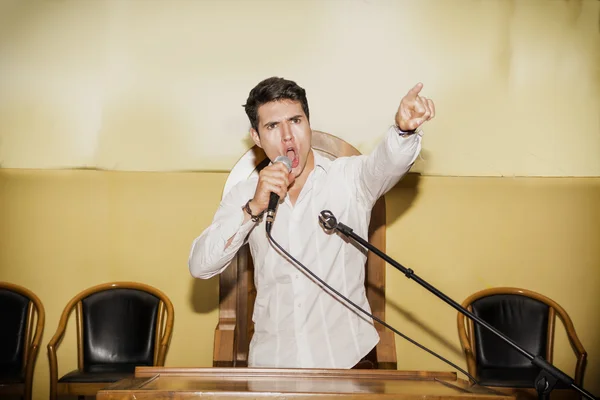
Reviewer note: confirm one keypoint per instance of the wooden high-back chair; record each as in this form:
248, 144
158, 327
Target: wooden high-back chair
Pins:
236, 283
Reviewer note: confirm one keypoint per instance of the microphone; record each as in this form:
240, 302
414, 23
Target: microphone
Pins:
274, 199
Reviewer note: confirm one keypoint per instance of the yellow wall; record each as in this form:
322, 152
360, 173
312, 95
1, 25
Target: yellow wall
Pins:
63, 231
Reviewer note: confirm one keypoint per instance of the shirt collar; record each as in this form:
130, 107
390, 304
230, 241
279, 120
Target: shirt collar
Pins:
321, 161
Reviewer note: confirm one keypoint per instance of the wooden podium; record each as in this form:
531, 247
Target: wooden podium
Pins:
159, 383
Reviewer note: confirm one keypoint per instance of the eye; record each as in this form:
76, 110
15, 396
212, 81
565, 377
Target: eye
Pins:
296, 120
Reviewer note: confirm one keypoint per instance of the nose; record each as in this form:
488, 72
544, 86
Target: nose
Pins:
286, 133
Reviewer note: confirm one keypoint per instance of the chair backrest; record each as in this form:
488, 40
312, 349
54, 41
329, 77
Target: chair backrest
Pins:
236, 283
22, 319
528, 318
139, 315
13, 335
128, 314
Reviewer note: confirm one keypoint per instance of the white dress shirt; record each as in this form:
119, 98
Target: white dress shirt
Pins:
298, 324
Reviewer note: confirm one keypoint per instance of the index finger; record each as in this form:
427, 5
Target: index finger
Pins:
414, 92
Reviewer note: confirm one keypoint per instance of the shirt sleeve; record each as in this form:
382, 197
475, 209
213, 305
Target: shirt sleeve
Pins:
393, 157
208, 256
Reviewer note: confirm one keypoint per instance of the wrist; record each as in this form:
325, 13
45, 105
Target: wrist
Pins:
250, 208
403, 132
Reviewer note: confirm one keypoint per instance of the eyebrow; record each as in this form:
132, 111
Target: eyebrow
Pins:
298, 116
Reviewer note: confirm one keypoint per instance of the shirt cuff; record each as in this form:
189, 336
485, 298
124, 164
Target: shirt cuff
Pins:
404, 145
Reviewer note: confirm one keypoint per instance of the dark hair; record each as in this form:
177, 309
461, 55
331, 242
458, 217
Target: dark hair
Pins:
273, 89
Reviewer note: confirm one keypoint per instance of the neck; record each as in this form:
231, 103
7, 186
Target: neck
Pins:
296, 187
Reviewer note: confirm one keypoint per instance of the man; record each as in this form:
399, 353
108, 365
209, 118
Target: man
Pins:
297, 323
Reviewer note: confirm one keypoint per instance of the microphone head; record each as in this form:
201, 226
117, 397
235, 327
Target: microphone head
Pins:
286, 161
327, 220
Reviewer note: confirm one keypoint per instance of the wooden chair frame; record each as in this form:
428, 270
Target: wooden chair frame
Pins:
164, 329
36, 317
467, 336
236, 284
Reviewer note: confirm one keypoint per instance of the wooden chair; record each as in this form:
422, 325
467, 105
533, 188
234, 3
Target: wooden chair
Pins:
236, 284
119, 326
526, 317
21, 327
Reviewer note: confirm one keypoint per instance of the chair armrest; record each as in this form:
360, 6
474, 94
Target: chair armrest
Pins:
166, 308
53, 348
34, 346
465, 343
575, 343
578, 348
386, 350
223, 350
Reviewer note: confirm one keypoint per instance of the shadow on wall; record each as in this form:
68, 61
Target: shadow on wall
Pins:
433, 333
204, 296
409, 189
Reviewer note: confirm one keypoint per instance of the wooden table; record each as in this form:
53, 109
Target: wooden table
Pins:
158, 383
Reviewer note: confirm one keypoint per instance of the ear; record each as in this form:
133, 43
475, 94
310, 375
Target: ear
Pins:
255, 137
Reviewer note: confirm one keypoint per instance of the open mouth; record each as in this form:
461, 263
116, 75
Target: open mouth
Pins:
292, 154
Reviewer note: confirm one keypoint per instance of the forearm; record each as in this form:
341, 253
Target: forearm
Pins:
388, 163
246, 219
214, 249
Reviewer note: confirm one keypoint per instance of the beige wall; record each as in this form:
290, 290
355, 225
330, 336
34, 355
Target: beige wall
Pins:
158, 85
63, 231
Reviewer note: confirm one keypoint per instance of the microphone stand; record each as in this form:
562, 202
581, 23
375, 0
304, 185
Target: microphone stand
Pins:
549, 374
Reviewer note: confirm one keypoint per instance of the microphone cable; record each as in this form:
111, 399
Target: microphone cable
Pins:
347, 300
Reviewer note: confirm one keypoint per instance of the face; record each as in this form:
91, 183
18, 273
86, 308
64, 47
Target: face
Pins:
283, 129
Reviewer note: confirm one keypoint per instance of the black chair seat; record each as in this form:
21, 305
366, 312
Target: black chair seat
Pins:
11, 378
95, 377
511, 377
